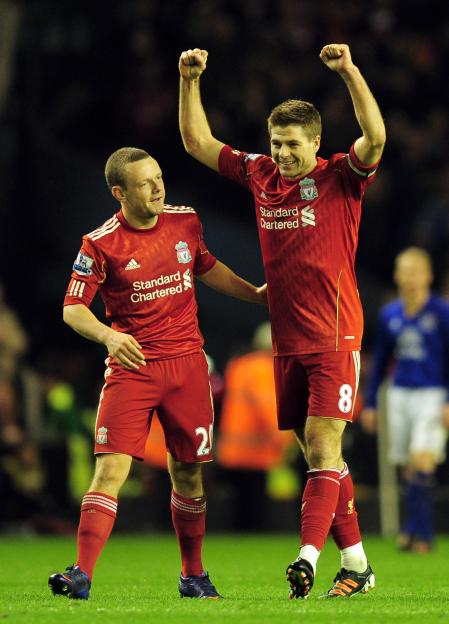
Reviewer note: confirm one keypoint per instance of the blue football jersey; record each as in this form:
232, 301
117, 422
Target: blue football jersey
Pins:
418, 346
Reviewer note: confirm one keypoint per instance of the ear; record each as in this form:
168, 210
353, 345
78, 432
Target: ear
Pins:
317, 142
117, 192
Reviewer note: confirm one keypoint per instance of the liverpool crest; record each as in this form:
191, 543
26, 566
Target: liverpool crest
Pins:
102, 435
308, 189
183, 252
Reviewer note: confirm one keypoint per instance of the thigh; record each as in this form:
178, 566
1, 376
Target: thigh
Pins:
111, 471
333, 380
186, 411
399, 424
292, 392
124, 412
428, 433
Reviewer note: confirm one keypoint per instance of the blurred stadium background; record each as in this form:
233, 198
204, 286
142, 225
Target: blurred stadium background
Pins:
77, 81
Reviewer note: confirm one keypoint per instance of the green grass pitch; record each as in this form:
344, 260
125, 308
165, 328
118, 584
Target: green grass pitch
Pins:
136, 581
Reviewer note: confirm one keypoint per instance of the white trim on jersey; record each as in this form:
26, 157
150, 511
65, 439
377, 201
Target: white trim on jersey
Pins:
174, 211
76, 289
170, 208
106, 231
106, 224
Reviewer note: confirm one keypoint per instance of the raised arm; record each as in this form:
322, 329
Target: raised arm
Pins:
122, 347
221, 278
195, 130
368, 147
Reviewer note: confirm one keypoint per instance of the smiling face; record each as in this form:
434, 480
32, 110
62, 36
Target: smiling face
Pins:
143, 194
293, 150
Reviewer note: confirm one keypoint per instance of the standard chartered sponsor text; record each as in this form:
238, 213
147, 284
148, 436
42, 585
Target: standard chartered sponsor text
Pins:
140, 286
276, 214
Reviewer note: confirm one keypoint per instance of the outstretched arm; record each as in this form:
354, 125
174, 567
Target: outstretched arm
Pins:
195, 130
122, 347
221, 278
368, 147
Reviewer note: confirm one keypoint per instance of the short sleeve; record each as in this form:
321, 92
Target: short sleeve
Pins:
89, 272
238, 166
358, 175
204, 260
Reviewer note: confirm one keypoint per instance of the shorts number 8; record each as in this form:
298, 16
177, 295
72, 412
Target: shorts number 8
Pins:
345, 402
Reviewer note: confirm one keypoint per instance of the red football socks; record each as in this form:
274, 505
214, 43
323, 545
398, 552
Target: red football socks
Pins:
319, 501
345, 527
189, 520
98, 513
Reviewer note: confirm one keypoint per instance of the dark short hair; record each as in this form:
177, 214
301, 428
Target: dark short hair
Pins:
296, 112
115, 164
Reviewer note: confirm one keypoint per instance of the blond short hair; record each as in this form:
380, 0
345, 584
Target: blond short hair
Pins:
116, 163
414, 252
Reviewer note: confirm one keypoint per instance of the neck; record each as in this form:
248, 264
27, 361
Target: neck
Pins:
139, 223
306, 171
415, 301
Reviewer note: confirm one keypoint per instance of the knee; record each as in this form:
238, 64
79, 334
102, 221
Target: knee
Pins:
110, 474
322, 452
187, 479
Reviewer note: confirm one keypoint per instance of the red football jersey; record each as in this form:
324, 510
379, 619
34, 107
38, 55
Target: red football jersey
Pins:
308, 231
145, 278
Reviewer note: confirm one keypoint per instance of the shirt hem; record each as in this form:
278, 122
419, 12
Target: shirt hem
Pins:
310, 350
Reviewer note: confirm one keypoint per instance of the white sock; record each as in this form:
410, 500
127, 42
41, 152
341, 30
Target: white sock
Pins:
310, 554
354, 558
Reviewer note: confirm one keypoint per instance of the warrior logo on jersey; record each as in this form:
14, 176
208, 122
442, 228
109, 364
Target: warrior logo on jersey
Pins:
83, 264
102, 435
308, 189
183, 252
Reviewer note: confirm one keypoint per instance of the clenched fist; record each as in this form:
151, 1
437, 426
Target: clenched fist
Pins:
192, 63
337, 57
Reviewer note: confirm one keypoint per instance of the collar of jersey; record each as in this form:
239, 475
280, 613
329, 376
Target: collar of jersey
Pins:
144, 231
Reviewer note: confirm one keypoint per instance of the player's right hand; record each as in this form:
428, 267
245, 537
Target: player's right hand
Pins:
192, 63
368, 419
125, 350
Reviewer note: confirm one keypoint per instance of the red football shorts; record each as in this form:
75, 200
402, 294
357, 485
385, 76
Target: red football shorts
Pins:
318, 384
178, 388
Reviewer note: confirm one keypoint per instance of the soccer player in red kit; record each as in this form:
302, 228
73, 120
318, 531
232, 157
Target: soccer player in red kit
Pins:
143, 261
308, 213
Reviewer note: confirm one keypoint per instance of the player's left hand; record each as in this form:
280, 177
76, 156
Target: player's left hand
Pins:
262, 294
337, 57
445, 415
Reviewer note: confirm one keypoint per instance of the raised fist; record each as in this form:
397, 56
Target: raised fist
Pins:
192, 63
337, 57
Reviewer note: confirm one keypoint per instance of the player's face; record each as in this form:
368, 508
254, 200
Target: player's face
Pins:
412, 275
293, 150
145, 192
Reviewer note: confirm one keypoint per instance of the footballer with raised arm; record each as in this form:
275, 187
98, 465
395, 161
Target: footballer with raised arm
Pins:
143, 261
308, 213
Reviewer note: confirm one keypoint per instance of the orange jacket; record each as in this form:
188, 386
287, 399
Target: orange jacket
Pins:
248, 435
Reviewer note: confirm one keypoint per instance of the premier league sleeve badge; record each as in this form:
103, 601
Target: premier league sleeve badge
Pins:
83, 264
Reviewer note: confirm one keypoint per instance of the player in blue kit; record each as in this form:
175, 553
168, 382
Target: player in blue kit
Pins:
414, 333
